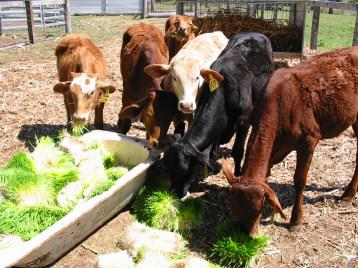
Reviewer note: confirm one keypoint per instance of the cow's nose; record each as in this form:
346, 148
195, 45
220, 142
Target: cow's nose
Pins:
79, 118
182, 29
186, 107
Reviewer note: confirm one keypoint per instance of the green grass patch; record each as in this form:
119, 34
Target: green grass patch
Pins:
335, 31
21, 160
78, 129
234, 248
27, 221
163, 210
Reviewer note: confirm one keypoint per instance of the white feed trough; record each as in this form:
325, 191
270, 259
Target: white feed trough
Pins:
65, 234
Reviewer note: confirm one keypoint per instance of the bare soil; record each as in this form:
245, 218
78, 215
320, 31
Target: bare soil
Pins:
29, 108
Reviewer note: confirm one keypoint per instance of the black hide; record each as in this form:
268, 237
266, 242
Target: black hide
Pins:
246, 65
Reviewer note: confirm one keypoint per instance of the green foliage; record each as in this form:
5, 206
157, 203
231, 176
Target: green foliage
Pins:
163, 210
115, 173
102, 187
21, 160
27, 221
78, 129
27, 188
234, 248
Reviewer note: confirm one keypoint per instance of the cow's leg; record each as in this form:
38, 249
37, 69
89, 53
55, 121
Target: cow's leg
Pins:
68, 112
124, 125
98, 116
352, 187
239, 148
304, 158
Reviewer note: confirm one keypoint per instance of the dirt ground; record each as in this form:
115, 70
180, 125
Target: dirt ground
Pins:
29, 108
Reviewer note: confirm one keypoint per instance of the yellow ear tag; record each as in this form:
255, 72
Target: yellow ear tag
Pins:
105, 97
213, 84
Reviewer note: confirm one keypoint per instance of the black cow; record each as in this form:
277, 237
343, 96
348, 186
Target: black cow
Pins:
246, 65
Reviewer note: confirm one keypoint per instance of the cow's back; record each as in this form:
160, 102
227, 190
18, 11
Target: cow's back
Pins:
321, 92
205, 48
143, 44
77, 53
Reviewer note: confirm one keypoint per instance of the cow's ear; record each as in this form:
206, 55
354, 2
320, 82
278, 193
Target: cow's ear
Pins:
273, 200
157, 70
62, 87
130, 111
194, 27
105, 87
208, 73
227, 169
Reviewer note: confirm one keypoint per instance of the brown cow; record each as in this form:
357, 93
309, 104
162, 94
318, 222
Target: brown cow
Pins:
143, 45
314, 100
82, 69
156, 111
178, 30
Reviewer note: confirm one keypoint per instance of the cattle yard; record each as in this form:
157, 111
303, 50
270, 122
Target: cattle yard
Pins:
29, 109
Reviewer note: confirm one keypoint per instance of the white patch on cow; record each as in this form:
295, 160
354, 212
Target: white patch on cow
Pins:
87, 84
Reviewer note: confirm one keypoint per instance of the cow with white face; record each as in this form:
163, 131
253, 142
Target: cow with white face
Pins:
190, 67
82, 69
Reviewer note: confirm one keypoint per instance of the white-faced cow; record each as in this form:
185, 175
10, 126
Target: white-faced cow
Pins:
187, 71
82, 70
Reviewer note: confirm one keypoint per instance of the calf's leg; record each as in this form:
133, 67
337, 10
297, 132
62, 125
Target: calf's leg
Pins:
304, 158
352, 187
98, 116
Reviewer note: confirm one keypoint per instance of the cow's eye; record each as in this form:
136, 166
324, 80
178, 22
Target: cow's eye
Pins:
197, 78
174, 78
92, 92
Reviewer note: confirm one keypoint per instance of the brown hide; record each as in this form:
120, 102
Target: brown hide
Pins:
316, 99
157, 110
178, 31
77, 54
143, 45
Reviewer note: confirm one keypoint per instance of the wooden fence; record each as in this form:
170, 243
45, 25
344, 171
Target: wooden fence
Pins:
36, 13
333, 5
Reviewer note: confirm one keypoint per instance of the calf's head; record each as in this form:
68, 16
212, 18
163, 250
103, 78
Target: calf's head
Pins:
184, 77
183, 28
82, 94
247, 199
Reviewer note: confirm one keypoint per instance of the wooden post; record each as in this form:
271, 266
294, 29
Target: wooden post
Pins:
275, 8
144, 9
0, 23
179, 8
43, 22
197, 8
262, 11
68, 22
104, 6
30, 21
315, 26
355, 36
152, 6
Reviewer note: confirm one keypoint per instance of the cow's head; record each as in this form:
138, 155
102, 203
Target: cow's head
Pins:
82, 94
184, 77
184, 28
247, 199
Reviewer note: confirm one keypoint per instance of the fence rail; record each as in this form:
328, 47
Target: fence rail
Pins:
36, 13
333, 5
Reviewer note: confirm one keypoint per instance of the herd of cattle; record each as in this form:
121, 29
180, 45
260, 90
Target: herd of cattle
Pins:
221, 87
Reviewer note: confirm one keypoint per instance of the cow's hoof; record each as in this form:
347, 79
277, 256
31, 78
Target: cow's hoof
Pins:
295, 228
344, 203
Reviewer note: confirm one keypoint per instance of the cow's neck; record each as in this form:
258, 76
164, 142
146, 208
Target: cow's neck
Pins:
209, 123
260, 146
